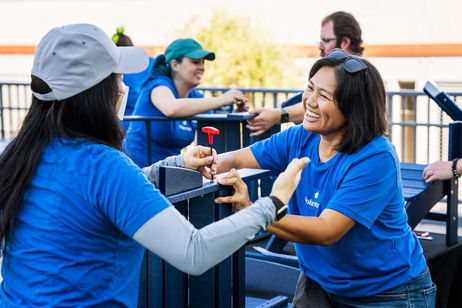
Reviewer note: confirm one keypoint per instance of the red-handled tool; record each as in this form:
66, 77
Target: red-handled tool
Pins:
210, 131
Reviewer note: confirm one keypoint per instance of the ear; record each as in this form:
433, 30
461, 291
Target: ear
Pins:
345, 44
174, 65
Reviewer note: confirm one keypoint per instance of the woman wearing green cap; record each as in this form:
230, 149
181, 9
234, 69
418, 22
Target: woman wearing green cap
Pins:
171, 92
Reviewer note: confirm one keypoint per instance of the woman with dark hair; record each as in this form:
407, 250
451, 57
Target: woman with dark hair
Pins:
74, 209
347, 218
171, 92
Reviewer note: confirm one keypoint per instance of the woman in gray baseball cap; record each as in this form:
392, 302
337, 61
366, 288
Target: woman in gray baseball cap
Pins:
171, 92
74, 209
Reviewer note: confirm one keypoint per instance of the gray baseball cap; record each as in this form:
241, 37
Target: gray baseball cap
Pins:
73, 58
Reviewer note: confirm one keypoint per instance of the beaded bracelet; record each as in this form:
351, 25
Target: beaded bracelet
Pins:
455, 174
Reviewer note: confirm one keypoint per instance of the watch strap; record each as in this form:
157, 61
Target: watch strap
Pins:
284, 115
281, 208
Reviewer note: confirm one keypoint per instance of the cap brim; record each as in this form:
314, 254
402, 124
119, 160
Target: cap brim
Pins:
132, 60
201, 54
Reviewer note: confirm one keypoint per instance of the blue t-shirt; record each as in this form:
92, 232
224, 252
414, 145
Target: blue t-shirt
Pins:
71, 245
380, 251
134, 82
167, 137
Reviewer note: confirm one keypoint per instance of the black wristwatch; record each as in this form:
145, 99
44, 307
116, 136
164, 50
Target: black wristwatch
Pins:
284, 115
281, 208
455, 174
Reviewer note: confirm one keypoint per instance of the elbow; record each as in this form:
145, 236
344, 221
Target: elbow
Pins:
328, 240
197, 272
171, 113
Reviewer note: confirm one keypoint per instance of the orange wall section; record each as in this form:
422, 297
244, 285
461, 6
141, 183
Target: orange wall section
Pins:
385, 50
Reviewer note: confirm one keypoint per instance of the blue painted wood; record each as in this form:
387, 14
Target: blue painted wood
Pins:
174, 283
444, 101
295, 99
225, 270
203, 288
222, 286
154, 281
264, 277
229, 138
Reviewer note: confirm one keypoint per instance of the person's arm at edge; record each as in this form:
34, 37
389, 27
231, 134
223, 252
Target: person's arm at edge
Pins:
163, 98
242, 158
440, 170
195, 251
267, 118
324, 230
196, 158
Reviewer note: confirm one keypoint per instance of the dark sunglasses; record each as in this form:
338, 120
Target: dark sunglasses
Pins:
352, 64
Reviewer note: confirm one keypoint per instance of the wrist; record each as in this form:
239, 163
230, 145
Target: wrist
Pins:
455, 171
284, 115
280, 207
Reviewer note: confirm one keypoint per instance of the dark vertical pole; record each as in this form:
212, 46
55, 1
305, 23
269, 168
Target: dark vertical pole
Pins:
455, 151
148, 143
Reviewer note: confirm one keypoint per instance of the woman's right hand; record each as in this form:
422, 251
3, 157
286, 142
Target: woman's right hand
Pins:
234, 96
287, 181
240, 197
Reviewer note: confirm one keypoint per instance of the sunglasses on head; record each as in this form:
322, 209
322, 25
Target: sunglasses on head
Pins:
352, 64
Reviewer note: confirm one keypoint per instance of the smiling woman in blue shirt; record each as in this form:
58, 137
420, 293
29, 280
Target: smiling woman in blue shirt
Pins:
347, 216
170, 92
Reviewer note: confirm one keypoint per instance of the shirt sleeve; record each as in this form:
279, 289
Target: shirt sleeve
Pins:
121, 192
273, 153
367, 188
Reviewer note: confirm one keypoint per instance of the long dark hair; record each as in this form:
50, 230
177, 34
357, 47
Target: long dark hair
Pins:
90, 115
361, 99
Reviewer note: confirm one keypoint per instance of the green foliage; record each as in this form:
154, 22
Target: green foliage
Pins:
245, 54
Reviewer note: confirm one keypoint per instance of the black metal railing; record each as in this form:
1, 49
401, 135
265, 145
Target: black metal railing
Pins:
418, 127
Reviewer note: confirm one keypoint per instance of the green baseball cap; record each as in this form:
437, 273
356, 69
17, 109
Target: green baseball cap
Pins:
187, 48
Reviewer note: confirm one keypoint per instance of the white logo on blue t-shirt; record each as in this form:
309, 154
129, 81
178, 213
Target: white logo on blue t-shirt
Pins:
311, 202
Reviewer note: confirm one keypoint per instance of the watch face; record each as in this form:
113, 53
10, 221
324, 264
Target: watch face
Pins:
284, 116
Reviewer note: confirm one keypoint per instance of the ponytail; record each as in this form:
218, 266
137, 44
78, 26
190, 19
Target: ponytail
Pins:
161, 67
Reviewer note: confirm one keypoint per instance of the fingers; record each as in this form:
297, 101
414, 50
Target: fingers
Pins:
206, 172
257, 110
229, 199
231, 178
296, 165
200, 156
257, 133
242, 107
227, 181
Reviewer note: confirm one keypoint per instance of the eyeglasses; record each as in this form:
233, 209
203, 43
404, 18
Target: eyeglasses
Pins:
352, 64
325, 41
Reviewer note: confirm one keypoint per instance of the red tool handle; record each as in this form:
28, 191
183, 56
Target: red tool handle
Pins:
210, 131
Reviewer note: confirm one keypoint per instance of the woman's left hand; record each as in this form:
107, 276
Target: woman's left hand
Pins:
439, 170
241, 107
199, 158
240, 198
